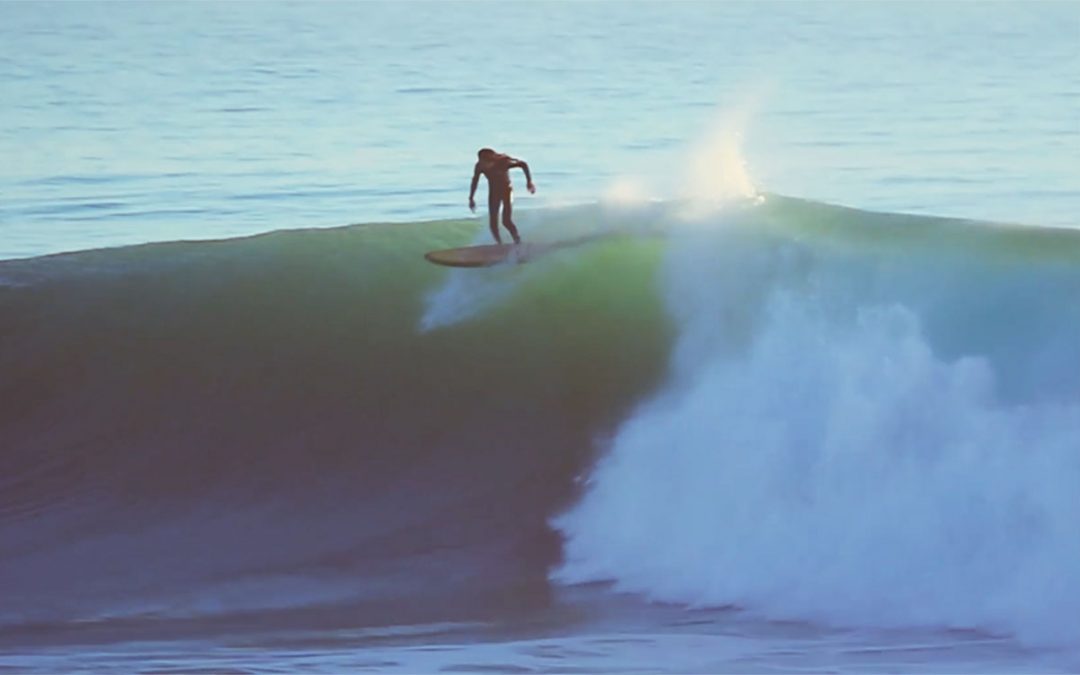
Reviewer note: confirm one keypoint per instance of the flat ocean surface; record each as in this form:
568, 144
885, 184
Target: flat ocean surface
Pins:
799, 390
136, 121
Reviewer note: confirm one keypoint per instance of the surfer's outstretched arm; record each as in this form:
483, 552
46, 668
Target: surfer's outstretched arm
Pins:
472, 188
524, 166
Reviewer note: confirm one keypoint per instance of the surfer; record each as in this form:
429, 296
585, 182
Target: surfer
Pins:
496, 168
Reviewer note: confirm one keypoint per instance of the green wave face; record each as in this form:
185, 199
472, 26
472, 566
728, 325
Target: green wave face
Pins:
306, 327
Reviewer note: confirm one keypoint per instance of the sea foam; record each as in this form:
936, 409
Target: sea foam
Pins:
826, 448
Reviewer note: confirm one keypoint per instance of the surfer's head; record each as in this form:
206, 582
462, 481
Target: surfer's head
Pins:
486, 154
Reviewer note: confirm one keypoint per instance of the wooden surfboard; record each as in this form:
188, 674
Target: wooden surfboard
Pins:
487, 255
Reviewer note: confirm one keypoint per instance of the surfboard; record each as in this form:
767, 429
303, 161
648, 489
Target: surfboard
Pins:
487, 255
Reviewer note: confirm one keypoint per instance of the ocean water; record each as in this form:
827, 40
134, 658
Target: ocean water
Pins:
804, 395
128, 122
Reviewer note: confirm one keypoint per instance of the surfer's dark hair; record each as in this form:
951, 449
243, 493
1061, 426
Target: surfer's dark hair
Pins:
484, 152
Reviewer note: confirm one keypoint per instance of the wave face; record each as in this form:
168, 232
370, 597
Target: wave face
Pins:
204, 429
870, 420
794, 408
